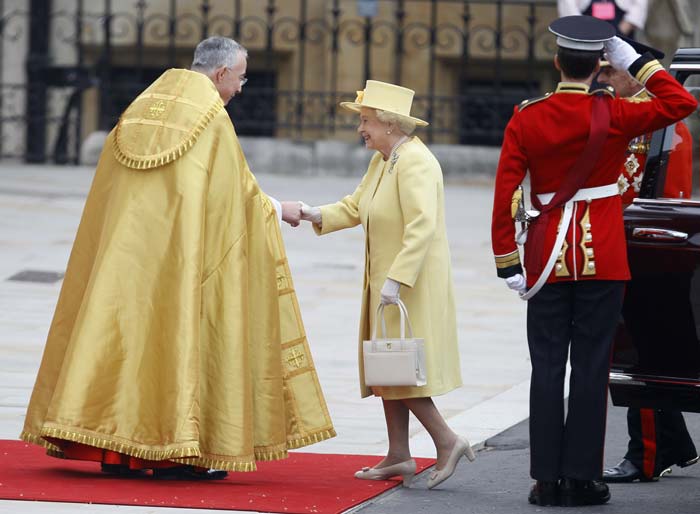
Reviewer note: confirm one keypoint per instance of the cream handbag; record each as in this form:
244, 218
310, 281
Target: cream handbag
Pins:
394, 362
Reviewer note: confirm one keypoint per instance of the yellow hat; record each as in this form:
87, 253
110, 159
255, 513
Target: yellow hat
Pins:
386, 97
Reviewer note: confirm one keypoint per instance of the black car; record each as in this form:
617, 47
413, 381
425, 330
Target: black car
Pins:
656, 355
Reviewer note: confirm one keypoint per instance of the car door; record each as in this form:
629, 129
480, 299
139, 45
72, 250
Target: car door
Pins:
656, 354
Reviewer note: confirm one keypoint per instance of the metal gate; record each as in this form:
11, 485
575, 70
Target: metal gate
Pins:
68, 67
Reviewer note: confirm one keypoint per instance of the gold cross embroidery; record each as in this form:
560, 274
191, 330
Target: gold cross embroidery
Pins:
295, 358
281, 281
156, 109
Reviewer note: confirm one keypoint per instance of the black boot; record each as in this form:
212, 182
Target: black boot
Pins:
625, 472
574, 492
544, 492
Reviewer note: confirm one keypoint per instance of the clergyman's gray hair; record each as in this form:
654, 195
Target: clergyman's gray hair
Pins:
406, 125
215, 52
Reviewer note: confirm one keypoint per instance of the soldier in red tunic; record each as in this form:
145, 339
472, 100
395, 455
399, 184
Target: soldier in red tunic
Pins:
659, 438
573, 144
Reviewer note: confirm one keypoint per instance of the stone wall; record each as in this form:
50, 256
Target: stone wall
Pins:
347, 159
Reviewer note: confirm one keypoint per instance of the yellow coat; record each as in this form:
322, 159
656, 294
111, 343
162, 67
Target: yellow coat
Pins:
402, 211
177, 334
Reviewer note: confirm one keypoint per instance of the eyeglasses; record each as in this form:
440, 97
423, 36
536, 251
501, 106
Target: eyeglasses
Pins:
243, 79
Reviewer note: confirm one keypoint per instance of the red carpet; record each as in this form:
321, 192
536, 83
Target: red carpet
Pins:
305, 482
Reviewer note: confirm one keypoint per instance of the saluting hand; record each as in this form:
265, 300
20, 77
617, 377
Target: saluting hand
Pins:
620, 54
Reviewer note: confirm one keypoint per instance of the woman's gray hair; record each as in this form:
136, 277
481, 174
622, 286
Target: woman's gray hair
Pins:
216, 52
406, 125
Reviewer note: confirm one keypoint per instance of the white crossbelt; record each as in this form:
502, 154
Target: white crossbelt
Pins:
587, 194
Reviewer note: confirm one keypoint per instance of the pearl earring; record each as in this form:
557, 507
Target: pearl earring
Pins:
388, 132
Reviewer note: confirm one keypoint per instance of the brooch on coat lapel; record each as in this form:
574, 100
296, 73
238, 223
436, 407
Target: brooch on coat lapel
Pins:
392, 163
394, 156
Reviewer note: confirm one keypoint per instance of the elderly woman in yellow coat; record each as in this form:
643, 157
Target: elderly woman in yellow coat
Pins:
400, 204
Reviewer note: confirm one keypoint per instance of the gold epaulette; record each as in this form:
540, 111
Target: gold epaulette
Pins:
530, 101
603, 90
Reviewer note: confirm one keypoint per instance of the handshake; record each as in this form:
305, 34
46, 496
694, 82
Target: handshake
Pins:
294, 212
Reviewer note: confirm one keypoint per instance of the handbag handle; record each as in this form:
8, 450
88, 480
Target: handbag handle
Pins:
405, 321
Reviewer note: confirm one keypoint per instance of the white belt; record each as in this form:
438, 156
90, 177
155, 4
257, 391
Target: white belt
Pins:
590, 193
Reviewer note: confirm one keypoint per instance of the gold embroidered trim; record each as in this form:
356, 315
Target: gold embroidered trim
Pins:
315, 437
170, 98
531, 101
242, 464
293, 342
262, 454
155, 123
241, 467
608, 90
154, 161
185, 450
648, 70
586, 239
637, 99
572, 87
299, 371
52, 449
505, 261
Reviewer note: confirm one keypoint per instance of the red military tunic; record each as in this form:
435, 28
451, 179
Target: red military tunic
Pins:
546, 137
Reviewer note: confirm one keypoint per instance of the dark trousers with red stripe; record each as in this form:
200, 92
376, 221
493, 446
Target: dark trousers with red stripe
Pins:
658, 439
579, 318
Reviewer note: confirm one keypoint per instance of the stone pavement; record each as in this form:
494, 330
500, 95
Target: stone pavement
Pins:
498, 482
40, 207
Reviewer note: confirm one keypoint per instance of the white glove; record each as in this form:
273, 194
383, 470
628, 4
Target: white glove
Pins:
312, 214
517, 283
620, 54
390, 292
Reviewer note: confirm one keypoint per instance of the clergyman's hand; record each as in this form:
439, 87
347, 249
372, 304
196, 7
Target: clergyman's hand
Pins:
291, 213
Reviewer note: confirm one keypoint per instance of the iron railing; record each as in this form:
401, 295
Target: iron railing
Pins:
83, 62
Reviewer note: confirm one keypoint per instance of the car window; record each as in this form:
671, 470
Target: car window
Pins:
680, 163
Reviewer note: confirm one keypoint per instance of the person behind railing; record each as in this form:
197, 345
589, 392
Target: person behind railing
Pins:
627, 16
166, 348
400, 204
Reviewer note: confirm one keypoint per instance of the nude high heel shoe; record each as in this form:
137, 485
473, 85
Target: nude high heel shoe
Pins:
461, 448
407, 470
